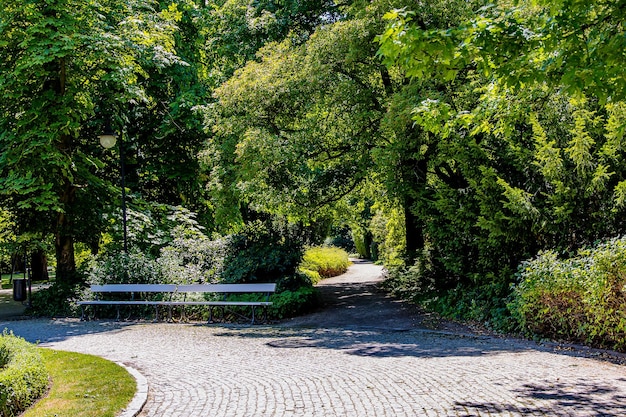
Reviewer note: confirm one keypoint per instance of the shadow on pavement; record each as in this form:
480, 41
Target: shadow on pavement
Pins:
56, 330
379, 343
580, 395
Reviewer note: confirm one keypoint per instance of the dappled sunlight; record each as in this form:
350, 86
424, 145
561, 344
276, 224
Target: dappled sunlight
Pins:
376, 343
574, 397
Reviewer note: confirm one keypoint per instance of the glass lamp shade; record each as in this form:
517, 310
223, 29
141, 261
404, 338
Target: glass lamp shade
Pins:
107, 140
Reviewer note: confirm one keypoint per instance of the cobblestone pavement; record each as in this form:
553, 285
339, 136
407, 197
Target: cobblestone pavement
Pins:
332, 366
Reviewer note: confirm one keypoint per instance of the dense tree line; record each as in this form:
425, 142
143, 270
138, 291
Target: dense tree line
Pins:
456, 139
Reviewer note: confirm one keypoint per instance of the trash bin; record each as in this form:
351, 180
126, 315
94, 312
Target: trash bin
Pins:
19, 289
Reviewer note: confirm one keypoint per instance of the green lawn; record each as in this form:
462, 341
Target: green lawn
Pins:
83, 386
6, 279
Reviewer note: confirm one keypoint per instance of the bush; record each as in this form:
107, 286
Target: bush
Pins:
263, 251
326, 261
124, 268
293, 303
581, 299
23, 378
56, 300
193, 259
341, 238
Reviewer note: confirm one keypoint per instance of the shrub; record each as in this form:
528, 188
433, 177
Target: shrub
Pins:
581, 299
293, 303
127, 268
263, 251
313, 276
342, 238
326, 261
194, 258
23, 378
57, 300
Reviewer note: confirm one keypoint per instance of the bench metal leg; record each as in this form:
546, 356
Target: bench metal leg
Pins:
265, 314
82, 313
210, 315
117, 309
253, 308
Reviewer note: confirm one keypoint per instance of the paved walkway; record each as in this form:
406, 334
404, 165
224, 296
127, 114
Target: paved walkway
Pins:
331, 363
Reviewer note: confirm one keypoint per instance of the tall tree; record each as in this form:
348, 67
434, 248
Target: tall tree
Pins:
309, 122
61, 63
532, 118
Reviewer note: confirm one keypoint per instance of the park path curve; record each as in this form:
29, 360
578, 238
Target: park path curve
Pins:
364, 354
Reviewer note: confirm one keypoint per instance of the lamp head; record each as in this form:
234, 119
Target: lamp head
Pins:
108, 137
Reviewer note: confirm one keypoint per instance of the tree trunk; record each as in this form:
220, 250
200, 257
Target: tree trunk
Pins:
414, 173
39, 266
64, 241
414, 232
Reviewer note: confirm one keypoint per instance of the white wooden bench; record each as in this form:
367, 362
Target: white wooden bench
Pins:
171, 296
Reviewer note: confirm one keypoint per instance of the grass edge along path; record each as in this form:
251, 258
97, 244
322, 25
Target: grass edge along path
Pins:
83, 386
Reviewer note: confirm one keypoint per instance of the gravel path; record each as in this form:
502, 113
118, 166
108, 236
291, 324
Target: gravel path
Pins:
364, 354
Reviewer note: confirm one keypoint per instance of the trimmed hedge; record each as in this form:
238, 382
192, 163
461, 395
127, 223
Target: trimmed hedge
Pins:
326, 261
23, 376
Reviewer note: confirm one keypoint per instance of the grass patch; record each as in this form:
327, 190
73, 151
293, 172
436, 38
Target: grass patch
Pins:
83, 386
6, 284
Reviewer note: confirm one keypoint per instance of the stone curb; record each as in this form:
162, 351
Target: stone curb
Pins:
141, 396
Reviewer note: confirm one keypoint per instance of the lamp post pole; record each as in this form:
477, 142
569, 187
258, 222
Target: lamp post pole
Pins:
107, 140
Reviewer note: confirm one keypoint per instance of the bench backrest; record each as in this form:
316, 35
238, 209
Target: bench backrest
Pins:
214, 288
228, 288
133, 288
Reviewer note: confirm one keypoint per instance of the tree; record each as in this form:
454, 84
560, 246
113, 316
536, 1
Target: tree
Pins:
523, 125
62, 63
310, 122
235, 31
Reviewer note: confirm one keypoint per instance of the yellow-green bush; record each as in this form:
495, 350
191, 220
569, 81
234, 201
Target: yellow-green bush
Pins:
581, 299
326, 261
23, 378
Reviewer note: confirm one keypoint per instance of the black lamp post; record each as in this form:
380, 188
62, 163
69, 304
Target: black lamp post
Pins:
107, 140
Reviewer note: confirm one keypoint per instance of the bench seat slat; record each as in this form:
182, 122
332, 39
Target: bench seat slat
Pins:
122, 302
220, 303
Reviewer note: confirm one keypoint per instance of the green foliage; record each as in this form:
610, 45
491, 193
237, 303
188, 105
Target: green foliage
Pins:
362, 242
525, 151
7, 236
580, 298
389, 232
312, 276
341, 237
291, 303
194, 259
56, 300
62, 62
124, 268
23, 376
326, 261
264, 251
